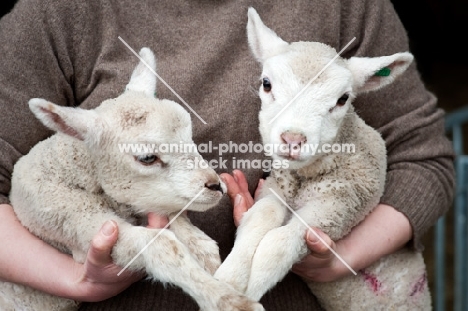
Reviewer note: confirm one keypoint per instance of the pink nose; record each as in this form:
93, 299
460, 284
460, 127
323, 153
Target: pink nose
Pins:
294, 139
294, 142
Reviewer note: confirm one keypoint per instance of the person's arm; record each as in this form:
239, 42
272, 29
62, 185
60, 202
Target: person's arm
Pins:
382, 232
27, 260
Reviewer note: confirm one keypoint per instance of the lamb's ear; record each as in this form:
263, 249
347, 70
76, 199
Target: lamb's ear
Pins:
373, 73
143, 78
76, 122
264, 42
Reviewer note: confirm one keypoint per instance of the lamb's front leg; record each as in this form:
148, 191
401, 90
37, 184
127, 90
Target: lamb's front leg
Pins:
266, 214
166, 259
201, 246
275, 255
284, 246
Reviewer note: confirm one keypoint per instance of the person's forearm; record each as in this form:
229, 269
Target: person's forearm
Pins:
382, 232
25, 259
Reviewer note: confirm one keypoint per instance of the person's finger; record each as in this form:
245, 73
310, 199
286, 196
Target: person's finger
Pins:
240, 207
156, 221
241, 180
320, 255
243, 185
319, 243
232, 187
239, 194
99, 253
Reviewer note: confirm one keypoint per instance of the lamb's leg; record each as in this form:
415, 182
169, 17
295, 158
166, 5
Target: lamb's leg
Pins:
168, 260
164, 258
201, 246
266, 214
284, 246
277, 252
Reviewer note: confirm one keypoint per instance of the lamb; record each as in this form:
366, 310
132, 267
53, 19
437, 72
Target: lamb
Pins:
68, 185
330, 191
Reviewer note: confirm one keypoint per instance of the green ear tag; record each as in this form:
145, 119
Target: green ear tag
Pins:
154, 94
384, 72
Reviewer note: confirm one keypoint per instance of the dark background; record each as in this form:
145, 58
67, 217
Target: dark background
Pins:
437, 30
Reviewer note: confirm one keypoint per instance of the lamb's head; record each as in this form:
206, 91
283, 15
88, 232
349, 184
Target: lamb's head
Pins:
307, 90
132, 140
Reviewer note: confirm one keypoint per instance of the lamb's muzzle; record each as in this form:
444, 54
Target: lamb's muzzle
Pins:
292, 143
214, 187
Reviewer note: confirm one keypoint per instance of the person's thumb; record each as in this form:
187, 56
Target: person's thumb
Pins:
99, 253
319, 243
240, 207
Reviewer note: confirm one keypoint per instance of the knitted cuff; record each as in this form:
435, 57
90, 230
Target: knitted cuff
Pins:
419, 196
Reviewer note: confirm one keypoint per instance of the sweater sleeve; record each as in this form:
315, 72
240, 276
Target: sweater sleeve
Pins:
420, 175
34, 63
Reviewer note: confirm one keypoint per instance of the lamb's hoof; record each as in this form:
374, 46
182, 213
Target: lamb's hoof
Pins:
238, 303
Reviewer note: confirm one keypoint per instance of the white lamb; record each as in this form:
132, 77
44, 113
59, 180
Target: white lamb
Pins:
330, 191
67, 186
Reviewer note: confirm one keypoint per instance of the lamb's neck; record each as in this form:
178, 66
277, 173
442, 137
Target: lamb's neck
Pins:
77, 170
321, 166
76, 167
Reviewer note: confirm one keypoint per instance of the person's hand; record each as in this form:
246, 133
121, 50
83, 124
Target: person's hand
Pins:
238, 191
321, 265
97, 278
384, 231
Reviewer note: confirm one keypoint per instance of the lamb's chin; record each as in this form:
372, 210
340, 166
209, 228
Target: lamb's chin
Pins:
296, 163
201, 206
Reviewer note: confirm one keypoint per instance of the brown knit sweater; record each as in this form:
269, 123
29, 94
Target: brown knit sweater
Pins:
68, 52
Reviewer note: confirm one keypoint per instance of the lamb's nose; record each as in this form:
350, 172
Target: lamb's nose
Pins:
295, 139
214, 187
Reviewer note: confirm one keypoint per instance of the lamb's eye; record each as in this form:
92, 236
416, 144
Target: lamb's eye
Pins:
342, 100
147, 159
266, 85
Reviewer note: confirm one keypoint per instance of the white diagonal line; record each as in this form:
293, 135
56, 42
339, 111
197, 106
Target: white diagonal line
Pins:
313, 79
160, 232
162, 80
313, 231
